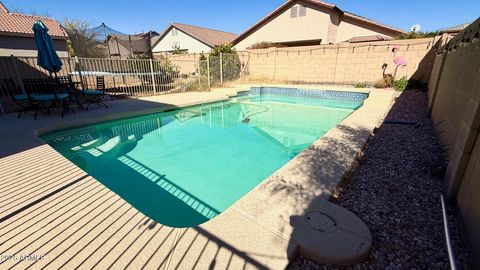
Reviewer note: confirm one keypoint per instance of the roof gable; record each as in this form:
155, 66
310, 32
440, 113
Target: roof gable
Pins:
21, 24
317, 3
209, 37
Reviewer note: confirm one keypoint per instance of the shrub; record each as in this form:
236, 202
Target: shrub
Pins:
400, 84
361, 85
164, 63
414, 35
165, 71
260, 45
230, 63
404, 84
177, 50
224, 48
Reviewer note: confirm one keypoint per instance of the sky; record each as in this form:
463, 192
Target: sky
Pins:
135, 16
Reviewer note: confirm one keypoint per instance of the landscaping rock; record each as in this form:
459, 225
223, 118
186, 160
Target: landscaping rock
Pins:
396, 191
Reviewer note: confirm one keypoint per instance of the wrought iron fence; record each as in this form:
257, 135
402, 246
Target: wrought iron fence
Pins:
131, 77
127, 77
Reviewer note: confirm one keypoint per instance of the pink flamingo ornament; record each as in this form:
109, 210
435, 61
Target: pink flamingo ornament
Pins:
398, 60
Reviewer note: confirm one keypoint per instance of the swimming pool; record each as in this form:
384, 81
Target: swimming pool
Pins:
184, 167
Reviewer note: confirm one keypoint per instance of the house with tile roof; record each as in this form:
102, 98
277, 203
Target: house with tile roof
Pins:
16, 34
312, 22
189, 38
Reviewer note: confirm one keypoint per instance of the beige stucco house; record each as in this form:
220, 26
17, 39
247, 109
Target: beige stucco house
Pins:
311, 22
191, 39
16, 34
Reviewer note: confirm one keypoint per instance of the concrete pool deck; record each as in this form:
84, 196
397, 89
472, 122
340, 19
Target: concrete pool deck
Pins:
51, 209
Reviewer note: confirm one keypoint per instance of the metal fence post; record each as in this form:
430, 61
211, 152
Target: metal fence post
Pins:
79, 69
17, 73
208, 71
153, 77
199, 74
221, 68
275, 64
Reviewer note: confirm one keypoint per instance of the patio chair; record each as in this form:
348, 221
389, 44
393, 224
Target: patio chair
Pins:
95, 96
63, 86
23, 101
68, 86
44, 91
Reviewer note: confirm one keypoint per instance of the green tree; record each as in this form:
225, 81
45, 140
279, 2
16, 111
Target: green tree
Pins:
224, 48
230, 63
414, 35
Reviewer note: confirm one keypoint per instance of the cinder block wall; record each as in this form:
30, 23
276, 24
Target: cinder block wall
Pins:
454, 95
187, 63
343, 63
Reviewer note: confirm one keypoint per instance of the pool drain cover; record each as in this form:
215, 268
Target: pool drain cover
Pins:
321, 222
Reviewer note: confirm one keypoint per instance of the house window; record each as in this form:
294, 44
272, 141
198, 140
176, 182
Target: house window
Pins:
294, 12
174, 32
298, 11
302, 11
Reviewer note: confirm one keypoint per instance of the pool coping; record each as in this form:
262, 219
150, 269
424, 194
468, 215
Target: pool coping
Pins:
268, 220
310, 192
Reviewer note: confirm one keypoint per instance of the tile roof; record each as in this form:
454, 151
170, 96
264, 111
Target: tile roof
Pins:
208, 36
455, 29
21, 24
368, 38
155, 40
372, 22
357, 17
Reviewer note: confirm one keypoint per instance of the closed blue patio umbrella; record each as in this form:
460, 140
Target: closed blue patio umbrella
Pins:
48, 59
47, 56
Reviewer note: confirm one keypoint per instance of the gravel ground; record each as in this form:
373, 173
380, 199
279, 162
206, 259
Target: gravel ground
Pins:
396, 190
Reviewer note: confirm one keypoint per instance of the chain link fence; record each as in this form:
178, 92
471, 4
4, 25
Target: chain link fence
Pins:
218, 70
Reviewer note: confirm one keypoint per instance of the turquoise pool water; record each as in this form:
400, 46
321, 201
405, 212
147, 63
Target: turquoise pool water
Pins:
184, 167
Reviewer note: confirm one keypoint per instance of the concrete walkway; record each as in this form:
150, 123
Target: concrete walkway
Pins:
54, 215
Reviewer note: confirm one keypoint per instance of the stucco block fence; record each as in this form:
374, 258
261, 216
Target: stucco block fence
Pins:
344, 63
454, 100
